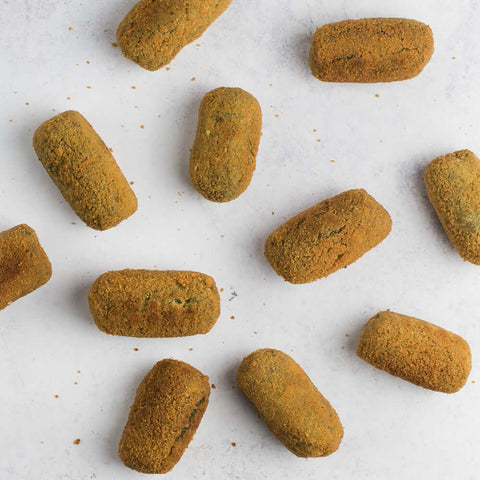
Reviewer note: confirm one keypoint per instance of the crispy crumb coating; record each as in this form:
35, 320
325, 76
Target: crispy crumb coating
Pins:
328, 236
153, 303
223, 156
154, 31
288, 402
168, 407
24, 265
453, 186
416, 351
371, 50
84, 170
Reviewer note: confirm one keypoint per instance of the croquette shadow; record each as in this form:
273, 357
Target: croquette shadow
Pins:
80, 300
187, 135
424, 203
302, 43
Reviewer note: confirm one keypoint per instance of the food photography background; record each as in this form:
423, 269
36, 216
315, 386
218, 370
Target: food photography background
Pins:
318, 140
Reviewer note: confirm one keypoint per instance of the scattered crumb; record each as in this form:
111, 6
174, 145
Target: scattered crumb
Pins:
70, 28
134, 87
123, 126
213, 385
41, 442
26, 103
110, 149
318, 140
77, 64
255, 332
10, 120
76, 442
135, 106
473, 381
56, 396
277, 115
273, 213
233, 387
114, 44
89, 86
54, 110
347, 335
141, 126
76, 383
78, 371
168, 68
190, 349
234, 444
198, 45
270, 85
343, 348
88, 62
222, 236
131, 183
135, 349
332, 161
233, 317
158, 116
73, 223
221, 289
69, 98
193, 79
454, 58
377, 95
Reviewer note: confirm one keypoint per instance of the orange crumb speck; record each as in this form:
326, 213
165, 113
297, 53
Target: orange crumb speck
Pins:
332, 161
56, 396
73, 223
135, 349
198, 45
114, 44
89, 86
168, 68
158, 116
473, 381
193, 79
221, 289
454, 58
70, 28
222, 236
347, 335
234, 444
88, 62
54, 109
41, 442
277, 115
270, 85
10, 120
26, 103
191, 349
318, 140
76, 442
135, 106
133, 87
314, 130
141, 126
255, 332
76, 383
68, 98
233, 317
78, 371
132, 182
213, 385
110, 149
377, 95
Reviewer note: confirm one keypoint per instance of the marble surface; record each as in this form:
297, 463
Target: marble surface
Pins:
318, 140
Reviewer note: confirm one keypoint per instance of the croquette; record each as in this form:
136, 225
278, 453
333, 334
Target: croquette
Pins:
168, 407
223, 156
154, 303
453, 186
84, 170
24, 265
371, 50
416, 351
289, 403
328, 236
154, 31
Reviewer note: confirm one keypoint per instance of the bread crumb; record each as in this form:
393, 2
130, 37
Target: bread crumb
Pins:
473, 381
133, 87
110, 149
213, 385
232, 317
88, 62
221, 289
10, 120
234, 444
70, 28
68, 98
56, 396
78, 371
454, 58
141, 126
131, 183
26, 103
73, 223
76, 383
193, 79
270, 85
114, 44
277, 115
135, 349
89, 86
332, 161
377, 95
255, 332
76, 442
190, 349
347, 335
318, 140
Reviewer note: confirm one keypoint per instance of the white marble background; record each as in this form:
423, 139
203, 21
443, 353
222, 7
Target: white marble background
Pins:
393, 430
